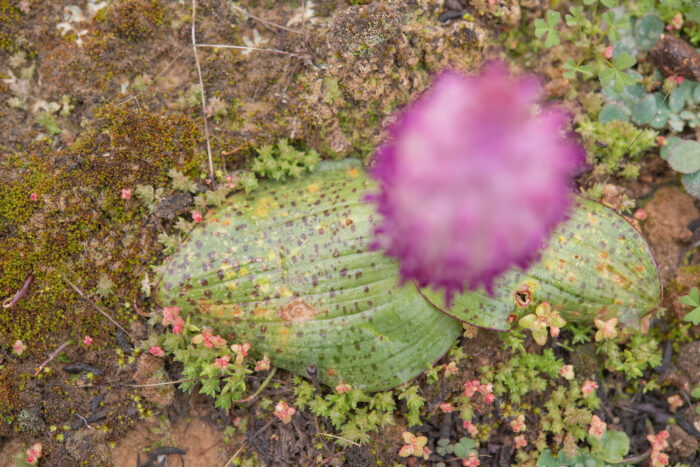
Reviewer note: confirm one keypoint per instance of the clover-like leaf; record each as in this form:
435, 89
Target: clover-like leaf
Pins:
543, 27
571, 68
692, 299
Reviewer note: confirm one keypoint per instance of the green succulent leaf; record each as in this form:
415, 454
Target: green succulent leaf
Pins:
594, 265
288, 269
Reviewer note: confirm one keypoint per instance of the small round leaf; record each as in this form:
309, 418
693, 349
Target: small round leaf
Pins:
644, 110
684, 157
613, 112
691, 182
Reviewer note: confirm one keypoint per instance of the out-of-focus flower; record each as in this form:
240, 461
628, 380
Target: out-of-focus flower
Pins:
597, 427
472, 180
196, 216
520, 441
608, 53
87, 341
157, 351
126, 193
34, 197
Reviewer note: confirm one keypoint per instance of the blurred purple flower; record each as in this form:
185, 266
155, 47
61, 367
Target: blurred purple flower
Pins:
472, 180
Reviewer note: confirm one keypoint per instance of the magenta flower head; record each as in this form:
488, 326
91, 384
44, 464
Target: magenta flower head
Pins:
472, 180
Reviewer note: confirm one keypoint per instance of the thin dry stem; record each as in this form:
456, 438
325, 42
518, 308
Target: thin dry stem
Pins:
51, 357
243, 47
339, 437
235, 455
266, 22
178, 381
201, 87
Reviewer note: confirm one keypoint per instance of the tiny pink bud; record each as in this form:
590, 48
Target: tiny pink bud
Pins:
126, 193
157, 351
34, 197
661, 141
679, 79
87, 340
640, 214
554, 331
608, 52
196, 216
520, 441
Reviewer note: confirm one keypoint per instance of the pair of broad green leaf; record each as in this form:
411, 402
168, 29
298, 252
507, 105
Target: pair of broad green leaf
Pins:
288, 269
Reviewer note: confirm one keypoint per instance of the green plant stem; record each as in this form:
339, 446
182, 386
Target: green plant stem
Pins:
262, 386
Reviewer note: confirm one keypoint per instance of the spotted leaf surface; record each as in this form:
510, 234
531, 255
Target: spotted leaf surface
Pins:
595, 265
287, 269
